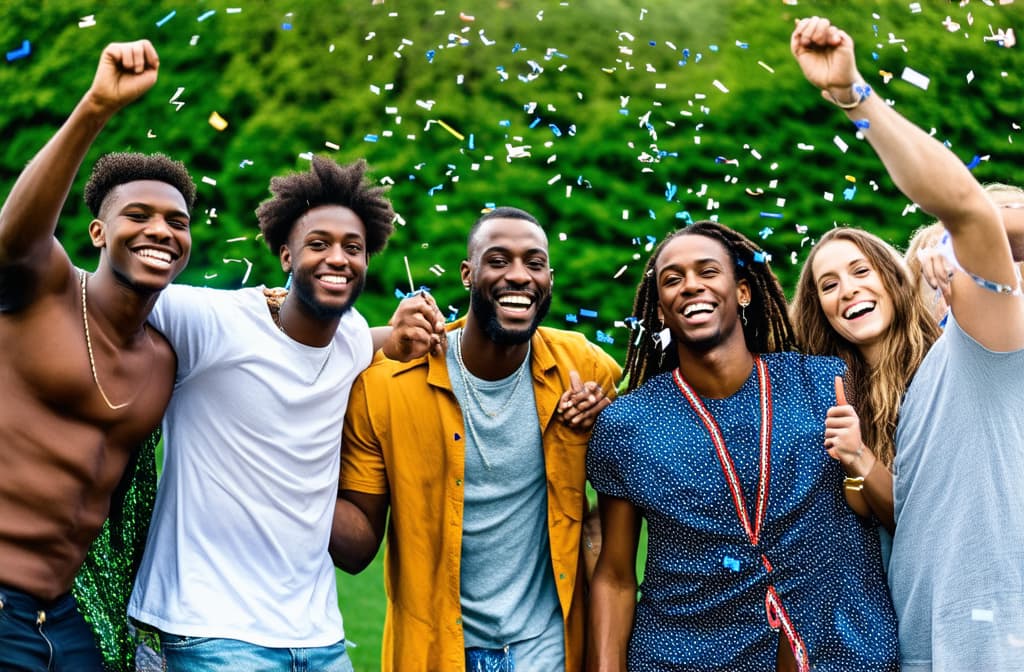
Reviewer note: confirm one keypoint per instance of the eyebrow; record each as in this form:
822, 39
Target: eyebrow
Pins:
151, 208
704, 261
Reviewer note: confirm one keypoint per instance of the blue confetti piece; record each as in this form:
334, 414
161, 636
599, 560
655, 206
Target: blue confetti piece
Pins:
699, 57
370, 137
731, 563
205, 15
500, 68
286, 26
862, 124
587, 313
472, 142
534, 123
765, 232
490, 206
571, 318
772, 215
650, 213
974, 162
742, 45
651, 240
713, 47
759, 257
430, 55
399, 294
686, 53
848, 194
516, 47
161, 22
685, 216
652, 43
604, 338
505, 123
624, 112
670, 191
435, 189
554, 129
24, 51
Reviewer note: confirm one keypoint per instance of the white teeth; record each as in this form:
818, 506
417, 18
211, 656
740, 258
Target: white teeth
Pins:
858, 309
697, 307
157, 255
514, 300
334, 279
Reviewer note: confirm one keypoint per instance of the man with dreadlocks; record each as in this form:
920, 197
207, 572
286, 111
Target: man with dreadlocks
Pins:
85, 381
754, 561
236, 573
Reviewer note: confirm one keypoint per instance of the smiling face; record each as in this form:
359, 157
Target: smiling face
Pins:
143, 232
509, 278
698, 293
326, 255
853, 297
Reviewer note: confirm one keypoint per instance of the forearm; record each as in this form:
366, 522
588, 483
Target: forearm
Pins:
922, 168
612, 606
28, 219
354, 543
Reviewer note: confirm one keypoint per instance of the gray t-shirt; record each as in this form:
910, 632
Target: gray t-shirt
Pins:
957, 567
508, 592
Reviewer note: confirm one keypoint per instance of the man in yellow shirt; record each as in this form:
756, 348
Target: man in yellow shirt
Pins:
485, 483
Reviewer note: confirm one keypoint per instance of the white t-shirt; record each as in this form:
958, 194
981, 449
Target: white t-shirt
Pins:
238, 543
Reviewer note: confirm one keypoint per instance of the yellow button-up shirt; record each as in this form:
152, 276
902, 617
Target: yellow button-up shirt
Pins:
404, 436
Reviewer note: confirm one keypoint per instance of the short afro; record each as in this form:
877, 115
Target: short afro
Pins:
326, 183
117, 168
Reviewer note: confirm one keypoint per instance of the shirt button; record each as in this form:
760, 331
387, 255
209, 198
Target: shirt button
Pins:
458, 481
561, 576
458, 621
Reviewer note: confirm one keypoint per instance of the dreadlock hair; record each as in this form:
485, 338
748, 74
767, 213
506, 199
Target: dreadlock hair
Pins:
875, 392
767, 328
501, 212
117, 168
326, 183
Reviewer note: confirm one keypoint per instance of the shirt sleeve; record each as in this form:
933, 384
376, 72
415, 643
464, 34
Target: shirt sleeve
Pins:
188, 320
606, 454
362, 461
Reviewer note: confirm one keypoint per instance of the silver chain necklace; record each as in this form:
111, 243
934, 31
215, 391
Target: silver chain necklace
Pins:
275, 314
465, 375
472, 388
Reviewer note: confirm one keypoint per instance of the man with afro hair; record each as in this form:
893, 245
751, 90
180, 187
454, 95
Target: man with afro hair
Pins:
85, 379
236, 570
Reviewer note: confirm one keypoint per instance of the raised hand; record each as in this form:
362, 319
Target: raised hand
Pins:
581, 403
126, 71
825, 54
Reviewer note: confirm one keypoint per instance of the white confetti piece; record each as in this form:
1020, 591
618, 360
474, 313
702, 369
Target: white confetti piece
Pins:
911, 76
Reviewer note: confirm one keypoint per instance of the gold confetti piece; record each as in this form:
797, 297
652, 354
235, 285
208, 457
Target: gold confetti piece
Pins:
217, 121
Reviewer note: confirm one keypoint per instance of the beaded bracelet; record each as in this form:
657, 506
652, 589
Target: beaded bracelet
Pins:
860, 88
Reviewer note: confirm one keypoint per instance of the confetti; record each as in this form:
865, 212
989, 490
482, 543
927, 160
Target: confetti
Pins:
731, 563
87, 21
911, 76
161, 22
21, 52
205, 15
217, 121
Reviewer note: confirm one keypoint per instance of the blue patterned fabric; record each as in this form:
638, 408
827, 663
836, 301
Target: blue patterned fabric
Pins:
702, 604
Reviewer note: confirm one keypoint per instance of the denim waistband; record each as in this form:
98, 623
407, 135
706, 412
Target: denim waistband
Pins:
19, 600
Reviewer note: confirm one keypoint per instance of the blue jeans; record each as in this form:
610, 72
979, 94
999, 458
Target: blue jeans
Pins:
38, 636
210, 654
543, 653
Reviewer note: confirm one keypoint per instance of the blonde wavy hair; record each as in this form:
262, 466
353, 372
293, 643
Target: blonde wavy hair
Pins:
876, 393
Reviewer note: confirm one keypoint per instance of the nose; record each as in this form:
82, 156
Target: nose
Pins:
847, 288
158, 228
336, 255
692, 283
517, 273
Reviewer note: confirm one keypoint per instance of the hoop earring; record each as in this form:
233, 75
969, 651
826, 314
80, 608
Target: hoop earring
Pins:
743, 312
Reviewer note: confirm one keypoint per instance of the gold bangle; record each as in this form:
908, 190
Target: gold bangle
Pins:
854, 483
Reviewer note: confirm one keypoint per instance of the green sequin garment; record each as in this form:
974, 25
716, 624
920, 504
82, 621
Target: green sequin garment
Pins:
104, 583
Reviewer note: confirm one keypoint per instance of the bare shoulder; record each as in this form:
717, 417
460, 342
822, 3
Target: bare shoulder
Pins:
24, 284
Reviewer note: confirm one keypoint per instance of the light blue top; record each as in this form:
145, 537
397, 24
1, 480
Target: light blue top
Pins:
508, 591
957, 567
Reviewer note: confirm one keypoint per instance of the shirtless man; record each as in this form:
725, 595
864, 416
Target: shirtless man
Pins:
84, 378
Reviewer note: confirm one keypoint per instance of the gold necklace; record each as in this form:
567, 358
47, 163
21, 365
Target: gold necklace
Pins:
92, 360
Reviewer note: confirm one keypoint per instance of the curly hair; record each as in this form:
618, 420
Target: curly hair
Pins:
117, 168
326, 183
501, 212
876, 392
767, 328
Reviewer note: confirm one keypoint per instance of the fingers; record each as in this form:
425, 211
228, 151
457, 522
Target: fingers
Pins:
580, 405
840, 392
575, 381
134, 57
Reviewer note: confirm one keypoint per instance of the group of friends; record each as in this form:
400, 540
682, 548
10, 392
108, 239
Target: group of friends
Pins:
827, 484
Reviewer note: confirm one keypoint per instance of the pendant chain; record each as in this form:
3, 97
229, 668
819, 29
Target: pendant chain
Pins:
92, 359
275, 314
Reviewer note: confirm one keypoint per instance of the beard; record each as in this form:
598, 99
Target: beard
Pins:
484, 309
302, 286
